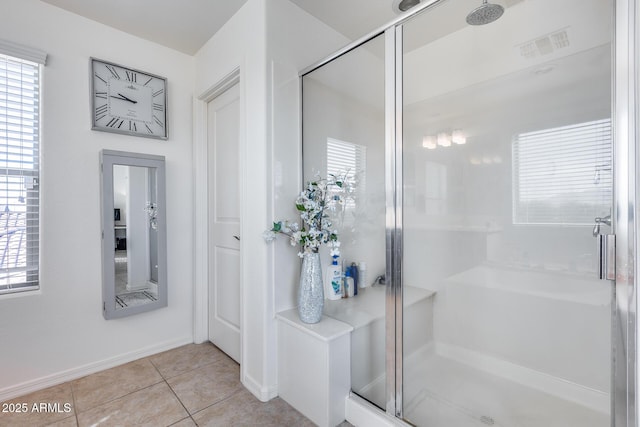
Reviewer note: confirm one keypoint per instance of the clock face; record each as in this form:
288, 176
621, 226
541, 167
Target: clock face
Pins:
128, 101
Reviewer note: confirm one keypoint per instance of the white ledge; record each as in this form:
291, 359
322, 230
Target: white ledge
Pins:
327, 329
369, 305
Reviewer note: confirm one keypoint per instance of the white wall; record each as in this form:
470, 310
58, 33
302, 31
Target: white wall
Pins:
333, 114
296, 40
59, 333
268, 42
241, 44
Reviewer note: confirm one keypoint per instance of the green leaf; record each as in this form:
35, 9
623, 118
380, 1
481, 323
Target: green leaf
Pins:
277, 226
339, 184
300, 207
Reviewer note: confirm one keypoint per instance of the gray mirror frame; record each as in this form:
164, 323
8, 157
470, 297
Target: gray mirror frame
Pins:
109, 158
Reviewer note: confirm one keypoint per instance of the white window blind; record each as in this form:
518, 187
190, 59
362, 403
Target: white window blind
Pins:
19, 174
350, 159
563, 175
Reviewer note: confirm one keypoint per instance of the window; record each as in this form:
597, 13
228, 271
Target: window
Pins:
350, 159
563, 175
19, 167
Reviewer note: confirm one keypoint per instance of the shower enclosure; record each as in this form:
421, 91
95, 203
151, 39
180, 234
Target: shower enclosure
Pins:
484, 161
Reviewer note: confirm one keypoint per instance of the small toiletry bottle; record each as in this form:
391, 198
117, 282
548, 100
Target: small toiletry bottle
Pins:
348, 283
363, 282
333, 280
356, 276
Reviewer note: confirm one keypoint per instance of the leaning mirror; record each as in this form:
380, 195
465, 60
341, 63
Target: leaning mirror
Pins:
134, 251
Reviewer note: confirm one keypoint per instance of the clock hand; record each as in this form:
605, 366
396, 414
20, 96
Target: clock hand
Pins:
128, 99
124, 98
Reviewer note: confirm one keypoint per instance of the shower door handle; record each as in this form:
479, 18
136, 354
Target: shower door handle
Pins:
607, 256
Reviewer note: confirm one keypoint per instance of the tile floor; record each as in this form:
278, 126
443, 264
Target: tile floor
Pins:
196, 384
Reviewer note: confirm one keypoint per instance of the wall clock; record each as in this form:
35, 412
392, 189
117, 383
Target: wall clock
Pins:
128, 101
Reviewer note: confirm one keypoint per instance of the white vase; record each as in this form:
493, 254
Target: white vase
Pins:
311, 292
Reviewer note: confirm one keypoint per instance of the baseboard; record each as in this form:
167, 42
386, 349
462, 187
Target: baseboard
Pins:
264, 394
91, 368
564, 389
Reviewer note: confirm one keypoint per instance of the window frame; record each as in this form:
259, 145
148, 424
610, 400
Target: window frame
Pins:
568, 177
22, 140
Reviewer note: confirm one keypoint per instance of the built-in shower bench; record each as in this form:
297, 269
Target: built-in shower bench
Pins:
316, 367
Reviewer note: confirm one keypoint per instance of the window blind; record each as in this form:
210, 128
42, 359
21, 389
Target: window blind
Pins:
350, 159
563, 175
20, 51
19, 174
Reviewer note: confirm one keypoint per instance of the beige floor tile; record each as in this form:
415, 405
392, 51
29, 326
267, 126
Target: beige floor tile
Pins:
51, 404
67, 422
102, 387
182, 359
187, 422
243, 409
207, 385
154, 406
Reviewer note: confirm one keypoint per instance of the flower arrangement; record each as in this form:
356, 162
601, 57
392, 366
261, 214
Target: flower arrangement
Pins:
317, 204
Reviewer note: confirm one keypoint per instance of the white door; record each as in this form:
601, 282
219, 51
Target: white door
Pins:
224, 221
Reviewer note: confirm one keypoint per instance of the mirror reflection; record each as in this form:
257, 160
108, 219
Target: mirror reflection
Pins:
136, 235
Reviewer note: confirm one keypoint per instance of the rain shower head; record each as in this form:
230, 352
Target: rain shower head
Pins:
485, 14
405, 5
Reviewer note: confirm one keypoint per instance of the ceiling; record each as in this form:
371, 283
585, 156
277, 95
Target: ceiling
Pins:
186, 25
183, 25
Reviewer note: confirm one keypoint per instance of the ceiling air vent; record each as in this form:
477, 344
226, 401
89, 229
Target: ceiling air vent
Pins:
545, 45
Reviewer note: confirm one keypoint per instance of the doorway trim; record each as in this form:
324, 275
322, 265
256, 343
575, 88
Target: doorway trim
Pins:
200, 207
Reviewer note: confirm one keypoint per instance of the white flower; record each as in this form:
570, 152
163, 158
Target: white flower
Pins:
317, 205
334, 252
269, 236
301, 255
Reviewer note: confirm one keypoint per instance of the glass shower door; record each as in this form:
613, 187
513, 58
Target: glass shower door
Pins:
507, 167
343, 134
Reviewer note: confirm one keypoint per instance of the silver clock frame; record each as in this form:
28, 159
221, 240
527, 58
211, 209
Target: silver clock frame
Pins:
94, 126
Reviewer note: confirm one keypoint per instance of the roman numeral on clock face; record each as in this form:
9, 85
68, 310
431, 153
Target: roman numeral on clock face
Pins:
101, 111
131, 76
113, 71
113, 123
